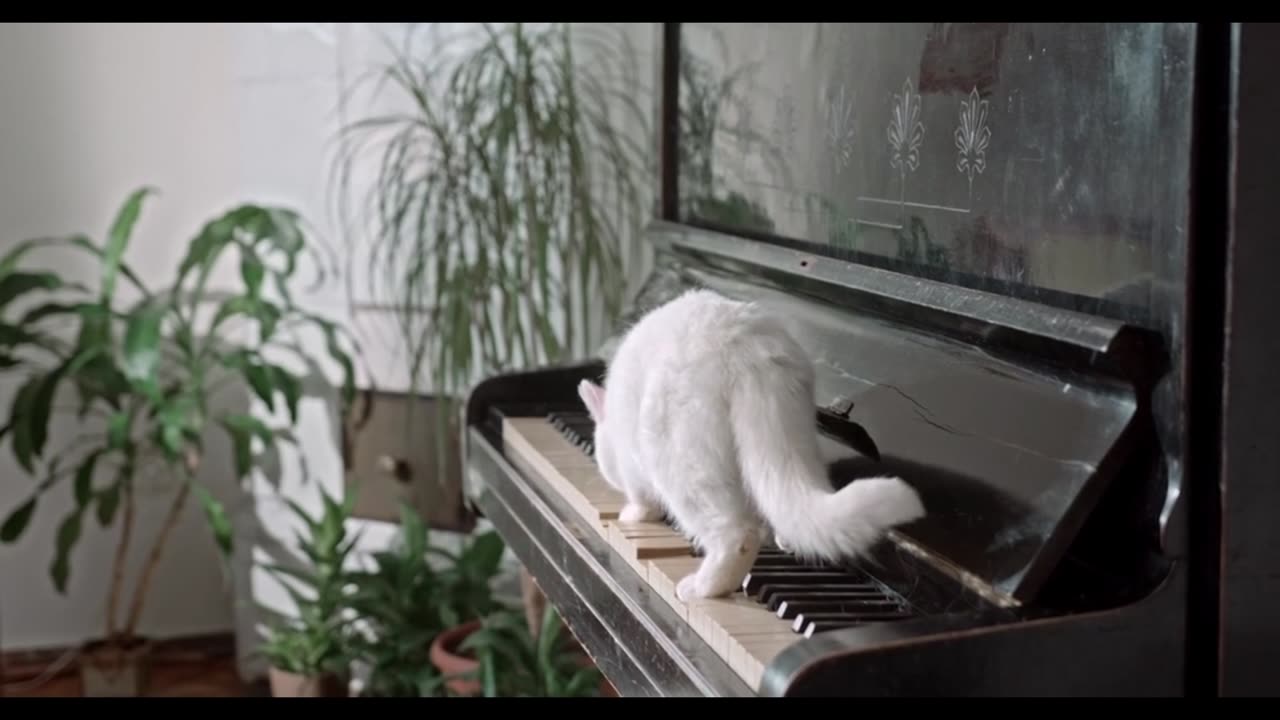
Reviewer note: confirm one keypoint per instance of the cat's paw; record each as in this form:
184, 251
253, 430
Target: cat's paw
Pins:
781, 544
697, 587
638, 513
688, 588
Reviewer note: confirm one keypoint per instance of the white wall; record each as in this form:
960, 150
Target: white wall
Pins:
212, 115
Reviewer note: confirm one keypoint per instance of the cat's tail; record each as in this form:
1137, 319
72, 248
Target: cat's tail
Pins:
782, 467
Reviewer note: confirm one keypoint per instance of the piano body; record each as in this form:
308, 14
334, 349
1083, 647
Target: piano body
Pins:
988, 236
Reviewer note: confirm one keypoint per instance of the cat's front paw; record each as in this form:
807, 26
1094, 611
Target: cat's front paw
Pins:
688, 587
698, 587
638, 513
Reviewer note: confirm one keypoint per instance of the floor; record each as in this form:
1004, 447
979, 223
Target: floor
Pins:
176, 672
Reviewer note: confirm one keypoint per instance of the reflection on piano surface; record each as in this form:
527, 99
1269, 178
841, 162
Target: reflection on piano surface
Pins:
1040, 421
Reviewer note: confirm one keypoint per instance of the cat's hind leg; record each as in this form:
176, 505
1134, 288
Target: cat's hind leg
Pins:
728, 556
642, 505
639, 511
710, 508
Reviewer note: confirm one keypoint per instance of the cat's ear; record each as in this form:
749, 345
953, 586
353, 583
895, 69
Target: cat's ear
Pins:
593, 397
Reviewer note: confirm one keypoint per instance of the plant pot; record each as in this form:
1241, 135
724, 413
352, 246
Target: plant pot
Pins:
288, 684
445, 657
115, 668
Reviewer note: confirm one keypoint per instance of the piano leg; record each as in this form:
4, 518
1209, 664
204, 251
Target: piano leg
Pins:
535, 603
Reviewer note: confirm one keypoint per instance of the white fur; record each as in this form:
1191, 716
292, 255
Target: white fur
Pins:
708, 413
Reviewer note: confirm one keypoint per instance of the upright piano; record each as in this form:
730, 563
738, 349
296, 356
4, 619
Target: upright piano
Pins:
989, 237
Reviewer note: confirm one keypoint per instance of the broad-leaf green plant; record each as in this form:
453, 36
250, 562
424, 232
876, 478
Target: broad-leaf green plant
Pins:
143, 371
414, 592
515, 663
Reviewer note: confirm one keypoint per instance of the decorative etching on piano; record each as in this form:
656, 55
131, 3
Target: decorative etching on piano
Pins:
838, 110
743, 131
906, 130
972, 137
1084, 126
785, 126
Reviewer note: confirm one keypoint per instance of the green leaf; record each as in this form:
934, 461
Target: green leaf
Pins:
118, 239
260, 378
252, 272
84, 479
334, 348
118, 430
485, 554
17, 522
176, 418
11, 258
231, 307
41, 312
13, 336
100, 379
290, 386
14, 285
217, 518
31, 408
142, 342
241, 446
268, 316
108, 502
20, 414
68, 536
249, 424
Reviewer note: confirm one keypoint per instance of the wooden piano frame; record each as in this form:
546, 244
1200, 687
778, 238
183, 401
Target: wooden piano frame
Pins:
1209, 629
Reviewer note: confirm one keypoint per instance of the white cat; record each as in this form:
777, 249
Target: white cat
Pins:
709, 414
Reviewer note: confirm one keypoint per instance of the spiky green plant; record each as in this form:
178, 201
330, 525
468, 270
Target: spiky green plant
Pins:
504, 197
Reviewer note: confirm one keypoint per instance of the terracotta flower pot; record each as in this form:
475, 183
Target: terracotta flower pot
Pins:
445, 657
287, 684
115, 668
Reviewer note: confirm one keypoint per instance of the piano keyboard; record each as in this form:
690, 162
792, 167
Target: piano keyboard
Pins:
782, 601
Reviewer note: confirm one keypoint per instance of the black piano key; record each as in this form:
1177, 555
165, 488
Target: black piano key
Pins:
773, 598
778, 563
776, 598
811, 628
755, 580
811, 623
773, 593
788, 609
772, 551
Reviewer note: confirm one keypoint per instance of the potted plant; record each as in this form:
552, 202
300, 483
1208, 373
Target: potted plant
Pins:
506, 197
143, 373
464, 592
310, 654
498, 656
399, 604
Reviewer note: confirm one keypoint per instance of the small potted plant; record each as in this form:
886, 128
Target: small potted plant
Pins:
142, 373
464, 587
500, 657
399, 604
310, 654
